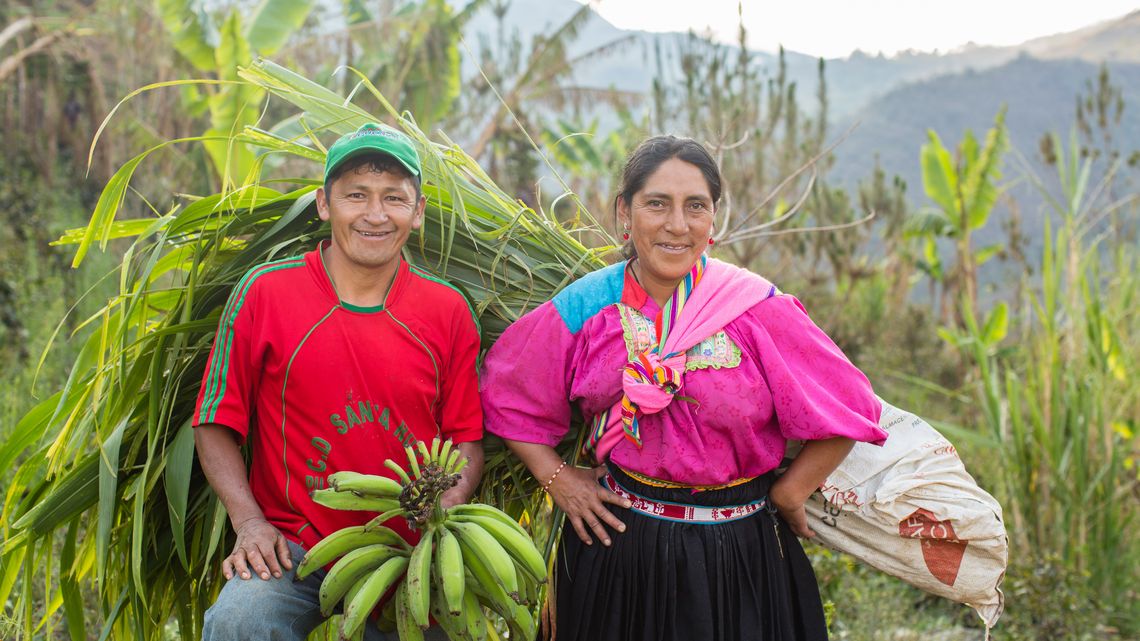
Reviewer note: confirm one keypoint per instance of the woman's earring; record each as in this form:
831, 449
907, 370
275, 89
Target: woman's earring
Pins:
711, 241
625, 236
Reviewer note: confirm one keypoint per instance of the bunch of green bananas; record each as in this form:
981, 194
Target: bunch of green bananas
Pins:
470, 558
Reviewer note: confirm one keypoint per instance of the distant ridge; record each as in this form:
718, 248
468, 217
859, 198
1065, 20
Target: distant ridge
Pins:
853, 82
1110, 41
1040, 96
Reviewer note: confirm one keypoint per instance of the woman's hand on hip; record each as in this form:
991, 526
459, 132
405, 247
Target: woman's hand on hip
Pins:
810, 468
793, 512
790, 505
577, 492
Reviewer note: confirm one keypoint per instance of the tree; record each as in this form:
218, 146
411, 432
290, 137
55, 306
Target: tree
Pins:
232, 105
964, 189
889, 204
410, 51
769, 153
515, 89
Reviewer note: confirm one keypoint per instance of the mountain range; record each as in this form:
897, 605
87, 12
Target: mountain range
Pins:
890, 101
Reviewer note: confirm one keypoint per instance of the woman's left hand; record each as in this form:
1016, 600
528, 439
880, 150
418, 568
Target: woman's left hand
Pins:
791, 508
811, 466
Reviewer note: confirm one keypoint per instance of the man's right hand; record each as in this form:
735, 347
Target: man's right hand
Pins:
260, 546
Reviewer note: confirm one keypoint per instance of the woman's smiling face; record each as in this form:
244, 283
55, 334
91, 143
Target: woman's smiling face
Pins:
670, 221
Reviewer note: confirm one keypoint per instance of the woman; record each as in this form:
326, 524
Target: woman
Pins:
692, 374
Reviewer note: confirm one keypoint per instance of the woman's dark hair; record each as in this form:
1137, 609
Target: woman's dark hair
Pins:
651, 154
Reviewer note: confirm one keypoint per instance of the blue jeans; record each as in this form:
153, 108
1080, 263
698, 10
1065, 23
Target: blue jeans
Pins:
278, 609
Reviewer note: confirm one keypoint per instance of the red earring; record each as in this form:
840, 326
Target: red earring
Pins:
625, 236
711, 241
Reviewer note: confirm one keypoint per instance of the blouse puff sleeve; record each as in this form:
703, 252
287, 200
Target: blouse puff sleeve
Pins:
816, 392
525, 383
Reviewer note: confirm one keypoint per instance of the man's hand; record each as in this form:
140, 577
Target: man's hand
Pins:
258, 543
468, 478
260, 546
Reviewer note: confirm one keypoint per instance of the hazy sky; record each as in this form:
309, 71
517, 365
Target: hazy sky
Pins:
835, 28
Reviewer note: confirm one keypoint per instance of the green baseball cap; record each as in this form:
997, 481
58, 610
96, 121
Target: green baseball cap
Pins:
373, 138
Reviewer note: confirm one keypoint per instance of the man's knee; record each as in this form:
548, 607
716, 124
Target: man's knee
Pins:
259, 609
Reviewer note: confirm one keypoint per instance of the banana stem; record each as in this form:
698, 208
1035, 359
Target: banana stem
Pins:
437, 516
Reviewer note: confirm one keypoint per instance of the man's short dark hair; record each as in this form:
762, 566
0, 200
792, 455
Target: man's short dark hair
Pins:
377, 163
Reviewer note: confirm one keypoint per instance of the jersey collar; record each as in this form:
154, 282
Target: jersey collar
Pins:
320, 271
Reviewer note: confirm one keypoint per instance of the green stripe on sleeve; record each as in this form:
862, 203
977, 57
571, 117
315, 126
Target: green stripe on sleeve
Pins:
220, 338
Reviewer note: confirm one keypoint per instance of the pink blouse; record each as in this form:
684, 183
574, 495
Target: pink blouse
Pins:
771, 375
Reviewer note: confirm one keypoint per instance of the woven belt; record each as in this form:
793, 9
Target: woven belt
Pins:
652, 482
699, 514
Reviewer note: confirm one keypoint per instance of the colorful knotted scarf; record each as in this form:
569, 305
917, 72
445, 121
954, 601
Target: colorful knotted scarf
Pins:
652, 379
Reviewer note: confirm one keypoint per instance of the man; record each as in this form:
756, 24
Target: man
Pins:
330, 361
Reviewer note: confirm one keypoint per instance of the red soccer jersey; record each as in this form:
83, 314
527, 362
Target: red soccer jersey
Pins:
318, 385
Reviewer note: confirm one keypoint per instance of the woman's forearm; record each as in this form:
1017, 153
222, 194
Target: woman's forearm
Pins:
812, 465
807, 472
574, 490
541, 460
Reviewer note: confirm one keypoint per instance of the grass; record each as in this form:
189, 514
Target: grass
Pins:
1056, 404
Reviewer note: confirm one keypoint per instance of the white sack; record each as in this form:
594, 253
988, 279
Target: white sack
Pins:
910, 509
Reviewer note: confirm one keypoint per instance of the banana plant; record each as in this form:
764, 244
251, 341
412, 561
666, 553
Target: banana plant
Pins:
545, 76
964, 189
419, 68
588, 159
1058, 404
219, 49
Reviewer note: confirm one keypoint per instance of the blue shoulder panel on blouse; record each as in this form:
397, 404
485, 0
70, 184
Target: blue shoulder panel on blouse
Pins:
589, 295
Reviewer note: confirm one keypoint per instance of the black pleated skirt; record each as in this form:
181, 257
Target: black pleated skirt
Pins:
745, 580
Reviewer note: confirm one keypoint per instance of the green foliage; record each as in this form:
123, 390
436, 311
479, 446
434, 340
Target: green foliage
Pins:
867, 605
939, 178
1056, 405
590, 159
1051, 601
220, 50
964, 187
232, 106
40, 290
1047, 373
411, 52
273, 22
516, 83
430, 78
1100, 110
188, 25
